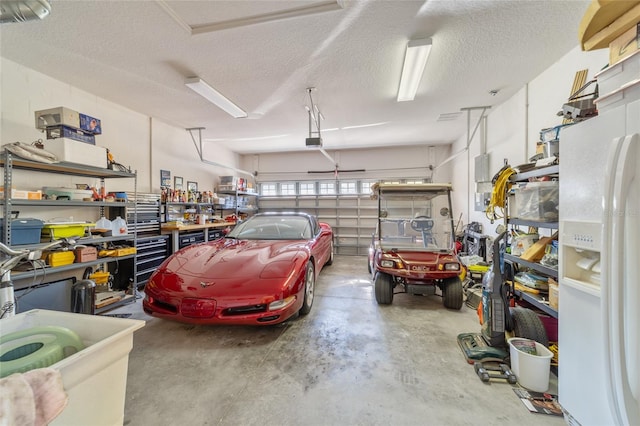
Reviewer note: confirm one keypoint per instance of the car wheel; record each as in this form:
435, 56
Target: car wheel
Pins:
309, 289
330, 260
452, 295
384, 288
527, 324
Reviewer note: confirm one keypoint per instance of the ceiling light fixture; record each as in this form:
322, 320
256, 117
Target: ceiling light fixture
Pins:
24, 10
212, 95
309, 9
415, 60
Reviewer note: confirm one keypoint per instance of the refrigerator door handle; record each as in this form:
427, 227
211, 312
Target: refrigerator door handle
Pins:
619, 295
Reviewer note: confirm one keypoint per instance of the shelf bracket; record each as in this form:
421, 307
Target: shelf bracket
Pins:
198, 144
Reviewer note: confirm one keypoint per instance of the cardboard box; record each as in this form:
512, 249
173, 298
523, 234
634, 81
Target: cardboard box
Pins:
625, 44
22, 194
90, 124
86, 254
77, 152
553, 295
55, 132
95, 378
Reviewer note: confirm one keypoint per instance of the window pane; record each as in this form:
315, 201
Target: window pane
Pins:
365, 186
326, 188
287, 189
348, 188
268, 189
307, 188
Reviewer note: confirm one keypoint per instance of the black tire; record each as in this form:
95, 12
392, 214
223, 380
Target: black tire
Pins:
309, 289
452, 294
527, 324
384, 288
330, 260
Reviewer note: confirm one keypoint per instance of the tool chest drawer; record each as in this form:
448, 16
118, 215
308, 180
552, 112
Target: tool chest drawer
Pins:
190, 238
215, 234
152, 251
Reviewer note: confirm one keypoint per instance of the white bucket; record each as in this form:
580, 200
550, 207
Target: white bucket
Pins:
532, 370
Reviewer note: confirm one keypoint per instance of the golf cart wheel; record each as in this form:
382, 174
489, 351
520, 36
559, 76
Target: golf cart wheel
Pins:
527, 324
452, 295
384, 288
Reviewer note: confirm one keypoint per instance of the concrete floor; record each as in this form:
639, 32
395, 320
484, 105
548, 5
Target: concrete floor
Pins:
349, 362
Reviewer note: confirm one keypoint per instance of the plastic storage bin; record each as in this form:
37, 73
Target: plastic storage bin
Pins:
23, 231
95, 378
55, 231
531, 370
536, 201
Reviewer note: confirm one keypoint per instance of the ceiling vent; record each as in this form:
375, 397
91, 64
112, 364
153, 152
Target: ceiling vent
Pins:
24, 10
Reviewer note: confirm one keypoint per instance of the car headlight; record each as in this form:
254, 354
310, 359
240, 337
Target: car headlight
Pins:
387, 263
281, 304
452, 266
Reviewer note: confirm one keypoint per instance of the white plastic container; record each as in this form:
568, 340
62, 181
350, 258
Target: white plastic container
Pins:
103, 223
77, 152
532, 371
95, 378
118, 226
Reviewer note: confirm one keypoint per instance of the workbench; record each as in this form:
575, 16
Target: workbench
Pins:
176, 230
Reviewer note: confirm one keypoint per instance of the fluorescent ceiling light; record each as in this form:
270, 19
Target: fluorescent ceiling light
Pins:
311, 9
415, 60
278, 15
212, 95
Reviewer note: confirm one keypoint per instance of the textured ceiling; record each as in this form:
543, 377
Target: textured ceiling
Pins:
138, 54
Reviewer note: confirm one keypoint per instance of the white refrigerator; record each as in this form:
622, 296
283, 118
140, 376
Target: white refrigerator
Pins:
599, 267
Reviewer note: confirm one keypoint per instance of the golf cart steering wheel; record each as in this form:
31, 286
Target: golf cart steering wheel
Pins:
422, 223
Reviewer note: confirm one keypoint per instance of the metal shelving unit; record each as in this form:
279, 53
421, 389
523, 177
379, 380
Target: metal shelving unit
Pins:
534, 299
10, 164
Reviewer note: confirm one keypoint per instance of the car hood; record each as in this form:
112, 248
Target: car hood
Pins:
237, 259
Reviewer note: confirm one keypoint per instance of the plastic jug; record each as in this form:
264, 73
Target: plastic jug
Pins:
118, 226
103, 223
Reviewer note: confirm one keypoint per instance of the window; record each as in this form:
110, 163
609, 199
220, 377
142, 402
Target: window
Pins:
307, 188
268, 189
327, 188
348, 188
365, 186
287, 189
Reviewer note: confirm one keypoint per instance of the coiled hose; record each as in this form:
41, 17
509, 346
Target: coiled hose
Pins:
498, 201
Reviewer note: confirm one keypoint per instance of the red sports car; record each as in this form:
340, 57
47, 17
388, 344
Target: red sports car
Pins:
262, 272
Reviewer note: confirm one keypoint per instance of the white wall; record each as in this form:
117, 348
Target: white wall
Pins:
513, 127
144, 144
398, 162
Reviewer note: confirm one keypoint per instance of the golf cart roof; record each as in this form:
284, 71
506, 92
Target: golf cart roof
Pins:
411, 188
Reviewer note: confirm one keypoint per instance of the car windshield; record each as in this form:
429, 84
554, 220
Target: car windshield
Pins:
415, 217
273, 227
